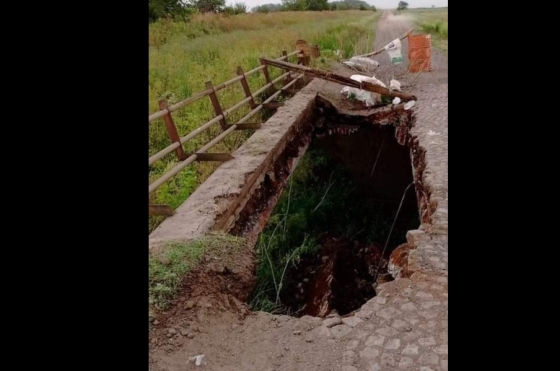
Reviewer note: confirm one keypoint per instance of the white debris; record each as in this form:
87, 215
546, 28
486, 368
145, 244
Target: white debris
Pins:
197, 360
409, 105
362, 64
395, 85
432, 133
397, 100
367, 97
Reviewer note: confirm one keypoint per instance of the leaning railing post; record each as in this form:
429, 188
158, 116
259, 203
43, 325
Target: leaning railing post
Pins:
246, 89
216, 104
271, 89
171, 129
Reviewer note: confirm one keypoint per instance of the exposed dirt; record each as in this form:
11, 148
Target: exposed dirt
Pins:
220, 283
340, 278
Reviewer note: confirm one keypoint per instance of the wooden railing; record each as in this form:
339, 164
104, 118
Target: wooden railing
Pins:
221, 116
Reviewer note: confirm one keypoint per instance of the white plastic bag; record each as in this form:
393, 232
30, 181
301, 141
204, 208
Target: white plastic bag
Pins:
367, 97
394, 50
361, 95
362, 64
395, 85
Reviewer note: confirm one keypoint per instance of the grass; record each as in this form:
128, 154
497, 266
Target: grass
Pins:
434, 22
167, 271
182, 56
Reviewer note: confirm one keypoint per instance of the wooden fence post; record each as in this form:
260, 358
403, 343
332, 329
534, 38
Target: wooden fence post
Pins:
246, 89
216, 104
172, 130
271, 89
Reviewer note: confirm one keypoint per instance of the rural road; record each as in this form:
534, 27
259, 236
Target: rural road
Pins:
405, 327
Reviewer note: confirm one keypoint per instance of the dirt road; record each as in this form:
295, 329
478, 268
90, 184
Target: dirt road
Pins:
405, 327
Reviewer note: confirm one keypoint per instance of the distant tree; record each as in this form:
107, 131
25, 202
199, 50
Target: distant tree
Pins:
240, 8
403, 5
267, 8
433, 6
351, 4
294, 5
316, 5
208, 6
373, 8
166, 8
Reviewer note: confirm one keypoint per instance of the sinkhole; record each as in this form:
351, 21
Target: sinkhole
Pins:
326, 245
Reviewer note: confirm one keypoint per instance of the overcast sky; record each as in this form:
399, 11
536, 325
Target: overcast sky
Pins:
382, 4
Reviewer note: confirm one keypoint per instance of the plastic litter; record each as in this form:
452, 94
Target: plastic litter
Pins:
395, 85
197, 360
397, 100
367, 97
362, 64
394, 50
409, 105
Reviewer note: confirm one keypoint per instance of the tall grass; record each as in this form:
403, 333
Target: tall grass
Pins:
182, 56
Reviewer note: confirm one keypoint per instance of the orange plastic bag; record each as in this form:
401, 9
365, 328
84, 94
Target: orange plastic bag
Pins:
419, 53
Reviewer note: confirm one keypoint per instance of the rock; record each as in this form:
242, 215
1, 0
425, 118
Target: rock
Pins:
341, 331
309, 340
333, 313
352, 321
323, 332
331, 322
184, 332
190, 304
190, 336
297, 332
172, 331
156, 322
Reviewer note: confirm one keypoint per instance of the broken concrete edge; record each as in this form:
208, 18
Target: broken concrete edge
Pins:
217, 203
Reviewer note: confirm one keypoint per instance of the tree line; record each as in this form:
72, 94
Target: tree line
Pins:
183, 8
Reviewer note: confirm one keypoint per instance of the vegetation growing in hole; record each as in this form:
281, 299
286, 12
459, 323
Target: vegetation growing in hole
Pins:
320, 197
183, 55
167, 271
